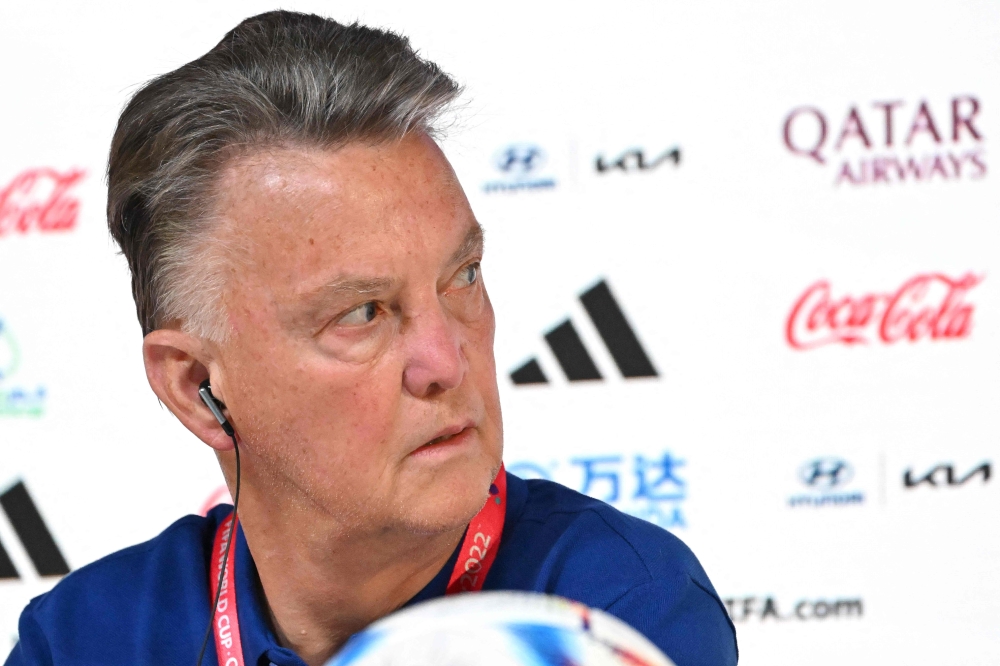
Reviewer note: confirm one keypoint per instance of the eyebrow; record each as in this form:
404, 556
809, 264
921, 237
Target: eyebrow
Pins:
349, 285
307, 312
352, 287
471, 244
357, 286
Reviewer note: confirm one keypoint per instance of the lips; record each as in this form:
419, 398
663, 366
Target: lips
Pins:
447, 435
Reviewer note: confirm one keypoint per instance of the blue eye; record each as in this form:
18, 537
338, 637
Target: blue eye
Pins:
469, 274
360, 315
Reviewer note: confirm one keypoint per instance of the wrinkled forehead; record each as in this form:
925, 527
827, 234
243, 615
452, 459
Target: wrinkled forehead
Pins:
305, 182
288, 213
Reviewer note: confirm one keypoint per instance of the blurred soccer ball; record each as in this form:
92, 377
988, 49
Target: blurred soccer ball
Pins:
500, 629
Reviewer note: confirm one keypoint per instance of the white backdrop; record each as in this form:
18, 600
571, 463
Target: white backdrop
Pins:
777, 446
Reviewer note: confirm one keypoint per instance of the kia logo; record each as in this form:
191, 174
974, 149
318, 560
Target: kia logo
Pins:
635, 160
519, 158
945, 475
826, 473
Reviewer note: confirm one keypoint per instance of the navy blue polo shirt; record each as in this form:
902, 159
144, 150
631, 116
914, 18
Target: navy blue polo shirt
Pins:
148, 605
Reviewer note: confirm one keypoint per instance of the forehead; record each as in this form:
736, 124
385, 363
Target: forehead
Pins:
295, 210
313, 185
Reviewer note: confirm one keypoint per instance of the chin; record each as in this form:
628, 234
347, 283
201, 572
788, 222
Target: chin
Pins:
449, 496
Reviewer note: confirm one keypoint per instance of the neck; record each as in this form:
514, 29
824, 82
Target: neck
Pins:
322, 584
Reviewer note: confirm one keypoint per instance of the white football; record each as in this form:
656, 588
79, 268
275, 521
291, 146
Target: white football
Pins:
499, 629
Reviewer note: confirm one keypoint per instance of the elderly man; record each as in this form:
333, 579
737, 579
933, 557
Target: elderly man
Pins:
306, 270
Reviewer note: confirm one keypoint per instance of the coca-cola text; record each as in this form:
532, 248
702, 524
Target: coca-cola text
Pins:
927, 306
40, 200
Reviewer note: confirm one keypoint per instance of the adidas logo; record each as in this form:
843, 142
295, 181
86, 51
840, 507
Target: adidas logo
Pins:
572, 355
33, 534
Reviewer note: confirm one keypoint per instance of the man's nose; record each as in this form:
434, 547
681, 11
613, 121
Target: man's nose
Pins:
436, 361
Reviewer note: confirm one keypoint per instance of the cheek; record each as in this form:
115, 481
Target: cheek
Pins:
348, 412
480, 336
482, 363
365, 412
485, 325
328, 411
491, 317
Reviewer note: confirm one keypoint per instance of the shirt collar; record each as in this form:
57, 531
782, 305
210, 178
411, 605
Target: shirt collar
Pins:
517, 497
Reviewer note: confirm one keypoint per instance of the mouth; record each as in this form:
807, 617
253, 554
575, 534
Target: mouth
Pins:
447, 437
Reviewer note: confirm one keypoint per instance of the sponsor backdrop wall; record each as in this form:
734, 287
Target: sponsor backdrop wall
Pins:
744, 258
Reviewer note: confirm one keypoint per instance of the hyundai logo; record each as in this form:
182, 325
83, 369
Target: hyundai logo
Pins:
519, 158
826, 473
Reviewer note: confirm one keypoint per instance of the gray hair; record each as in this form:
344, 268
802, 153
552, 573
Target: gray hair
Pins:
277, 79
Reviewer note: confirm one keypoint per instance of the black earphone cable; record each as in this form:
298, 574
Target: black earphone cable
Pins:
225, 558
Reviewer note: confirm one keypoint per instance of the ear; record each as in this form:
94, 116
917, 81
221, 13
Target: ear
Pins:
176, 363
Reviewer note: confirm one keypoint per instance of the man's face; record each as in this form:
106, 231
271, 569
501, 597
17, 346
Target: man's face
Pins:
360, 369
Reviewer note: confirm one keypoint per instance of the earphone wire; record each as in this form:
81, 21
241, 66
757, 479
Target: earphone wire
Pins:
225, 558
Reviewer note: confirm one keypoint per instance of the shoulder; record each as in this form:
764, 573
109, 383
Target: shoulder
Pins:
565, 543
119, 599
598, 533
164, 561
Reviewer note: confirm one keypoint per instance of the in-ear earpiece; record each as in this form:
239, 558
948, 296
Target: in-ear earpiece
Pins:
216, 407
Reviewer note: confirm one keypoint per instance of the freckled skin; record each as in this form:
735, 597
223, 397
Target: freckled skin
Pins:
360, 330
332, 417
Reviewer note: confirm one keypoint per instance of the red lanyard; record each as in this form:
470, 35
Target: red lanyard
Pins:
226, 624
482, 538
479, 549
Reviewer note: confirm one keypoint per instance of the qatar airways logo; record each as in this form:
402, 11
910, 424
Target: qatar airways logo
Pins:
892, 141
40, 200
928, 306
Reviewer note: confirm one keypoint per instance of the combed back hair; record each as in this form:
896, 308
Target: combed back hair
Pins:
277, 79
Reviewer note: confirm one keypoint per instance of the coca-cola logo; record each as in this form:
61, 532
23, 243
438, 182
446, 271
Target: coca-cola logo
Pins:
40, 200
928, 306
892, 141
